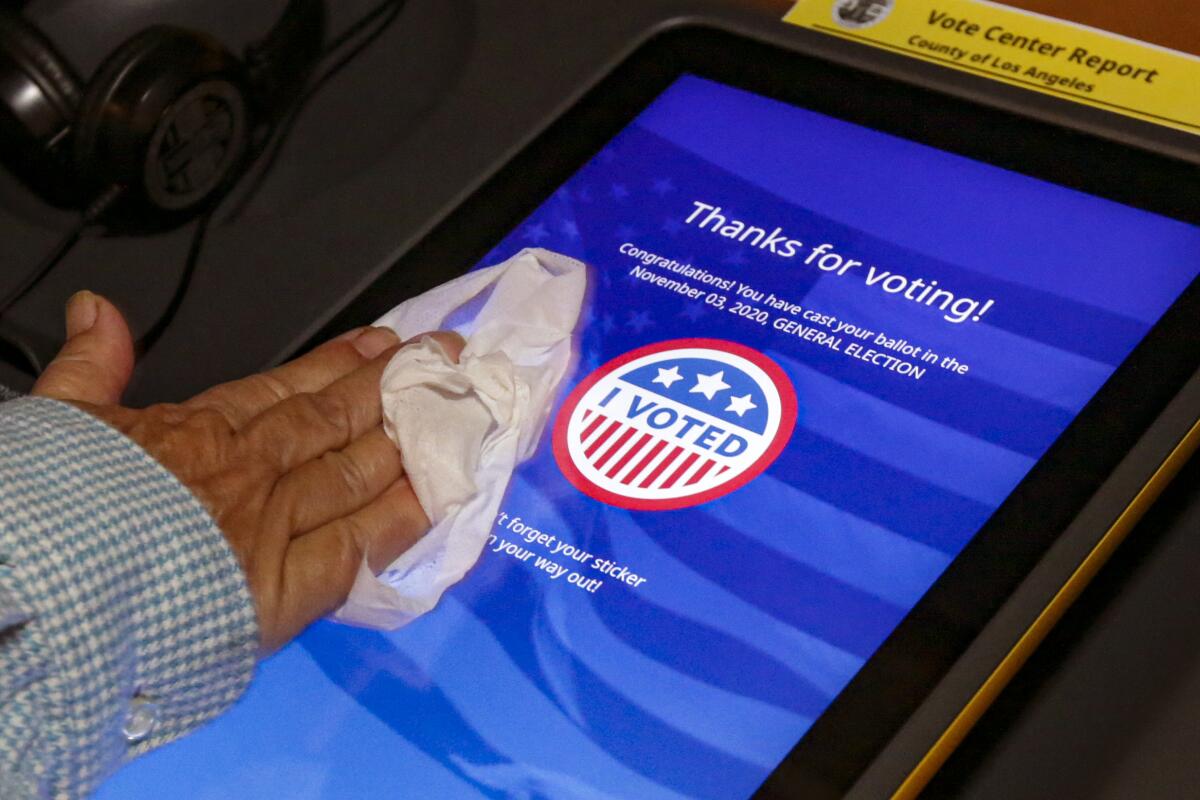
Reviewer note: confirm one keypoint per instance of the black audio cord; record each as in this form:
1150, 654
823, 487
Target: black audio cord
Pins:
155, 332
384, 14
90, 216
388, 8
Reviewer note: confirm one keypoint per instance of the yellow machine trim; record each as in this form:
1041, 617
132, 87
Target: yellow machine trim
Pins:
932, 761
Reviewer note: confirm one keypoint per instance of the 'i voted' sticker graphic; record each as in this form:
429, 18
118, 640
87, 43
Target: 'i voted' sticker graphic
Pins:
674, 424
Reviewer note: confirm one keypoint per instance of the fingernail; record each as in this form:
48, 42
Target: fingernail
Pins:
352, 334
82, 310
451, 343
373, 341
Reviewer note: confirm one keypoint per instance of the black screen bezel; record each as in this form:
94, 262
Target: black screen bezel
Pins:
861, 720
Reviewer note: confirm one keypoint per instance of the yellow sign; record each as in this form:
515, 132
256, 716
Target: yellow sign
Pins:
1018, 47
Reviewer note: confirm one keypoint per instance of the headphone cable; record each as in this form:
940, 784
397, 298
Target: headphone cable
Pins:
385, 13
391, 8
65, 245
155, 332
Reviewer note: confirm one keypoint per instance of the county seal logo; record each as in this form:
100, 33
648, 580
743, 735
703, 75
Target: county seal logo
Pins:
861, 13
674, 424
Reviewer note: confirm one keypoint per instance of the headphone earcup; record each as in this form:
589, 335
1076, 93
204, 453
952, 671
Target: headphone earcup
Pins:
39, 98
166, 117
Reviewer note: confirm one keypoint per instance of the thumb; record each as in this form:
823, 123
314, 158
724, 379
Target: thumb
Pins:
95, 363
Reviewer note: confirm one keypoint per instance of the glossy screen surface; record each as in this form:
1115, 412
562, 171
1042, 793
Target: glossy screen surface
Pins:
683, 650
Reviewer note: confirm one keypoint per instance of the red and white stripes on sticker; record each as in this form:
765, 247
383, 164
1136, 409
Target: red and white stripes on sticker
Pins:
634, 457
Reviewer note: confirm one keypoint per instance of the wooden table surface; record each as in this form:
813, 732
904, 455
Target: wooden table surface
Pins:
1170, 23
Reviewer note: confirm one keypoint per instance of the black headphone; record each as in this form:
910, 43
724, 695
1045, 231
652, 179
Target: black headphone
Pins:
166, 127
163, 128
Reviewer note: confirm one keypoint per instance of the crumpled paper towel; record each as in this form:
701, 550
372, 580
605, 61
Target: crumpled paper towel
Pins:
462, 428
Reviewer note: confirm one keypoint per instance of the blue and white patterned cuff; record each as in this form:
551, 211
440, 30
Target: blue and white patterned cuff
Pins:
125, 620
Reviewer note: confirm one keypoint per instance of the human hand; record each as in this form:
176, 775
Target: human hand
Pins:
293, 463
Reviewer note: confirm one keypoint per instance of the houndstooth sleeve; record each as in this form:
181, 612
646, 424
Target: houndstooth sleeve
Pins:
125, 620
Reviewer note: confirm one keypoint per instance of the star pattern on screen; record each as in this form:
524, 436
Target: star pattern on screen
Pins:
741, 404
662, 186
639, 321
710, 385
668, 376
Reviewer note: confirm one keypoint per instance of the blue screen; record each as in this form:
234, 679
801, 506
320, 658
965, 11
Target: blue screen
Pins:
925, 326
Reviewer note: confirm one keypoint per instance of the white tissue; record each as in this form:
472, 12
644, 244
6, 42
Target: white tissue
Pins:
462, 428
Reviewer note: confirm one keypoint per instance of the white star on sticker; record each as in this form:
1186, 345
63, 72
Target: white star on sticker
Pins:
709, 385
667, 376
740, 405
